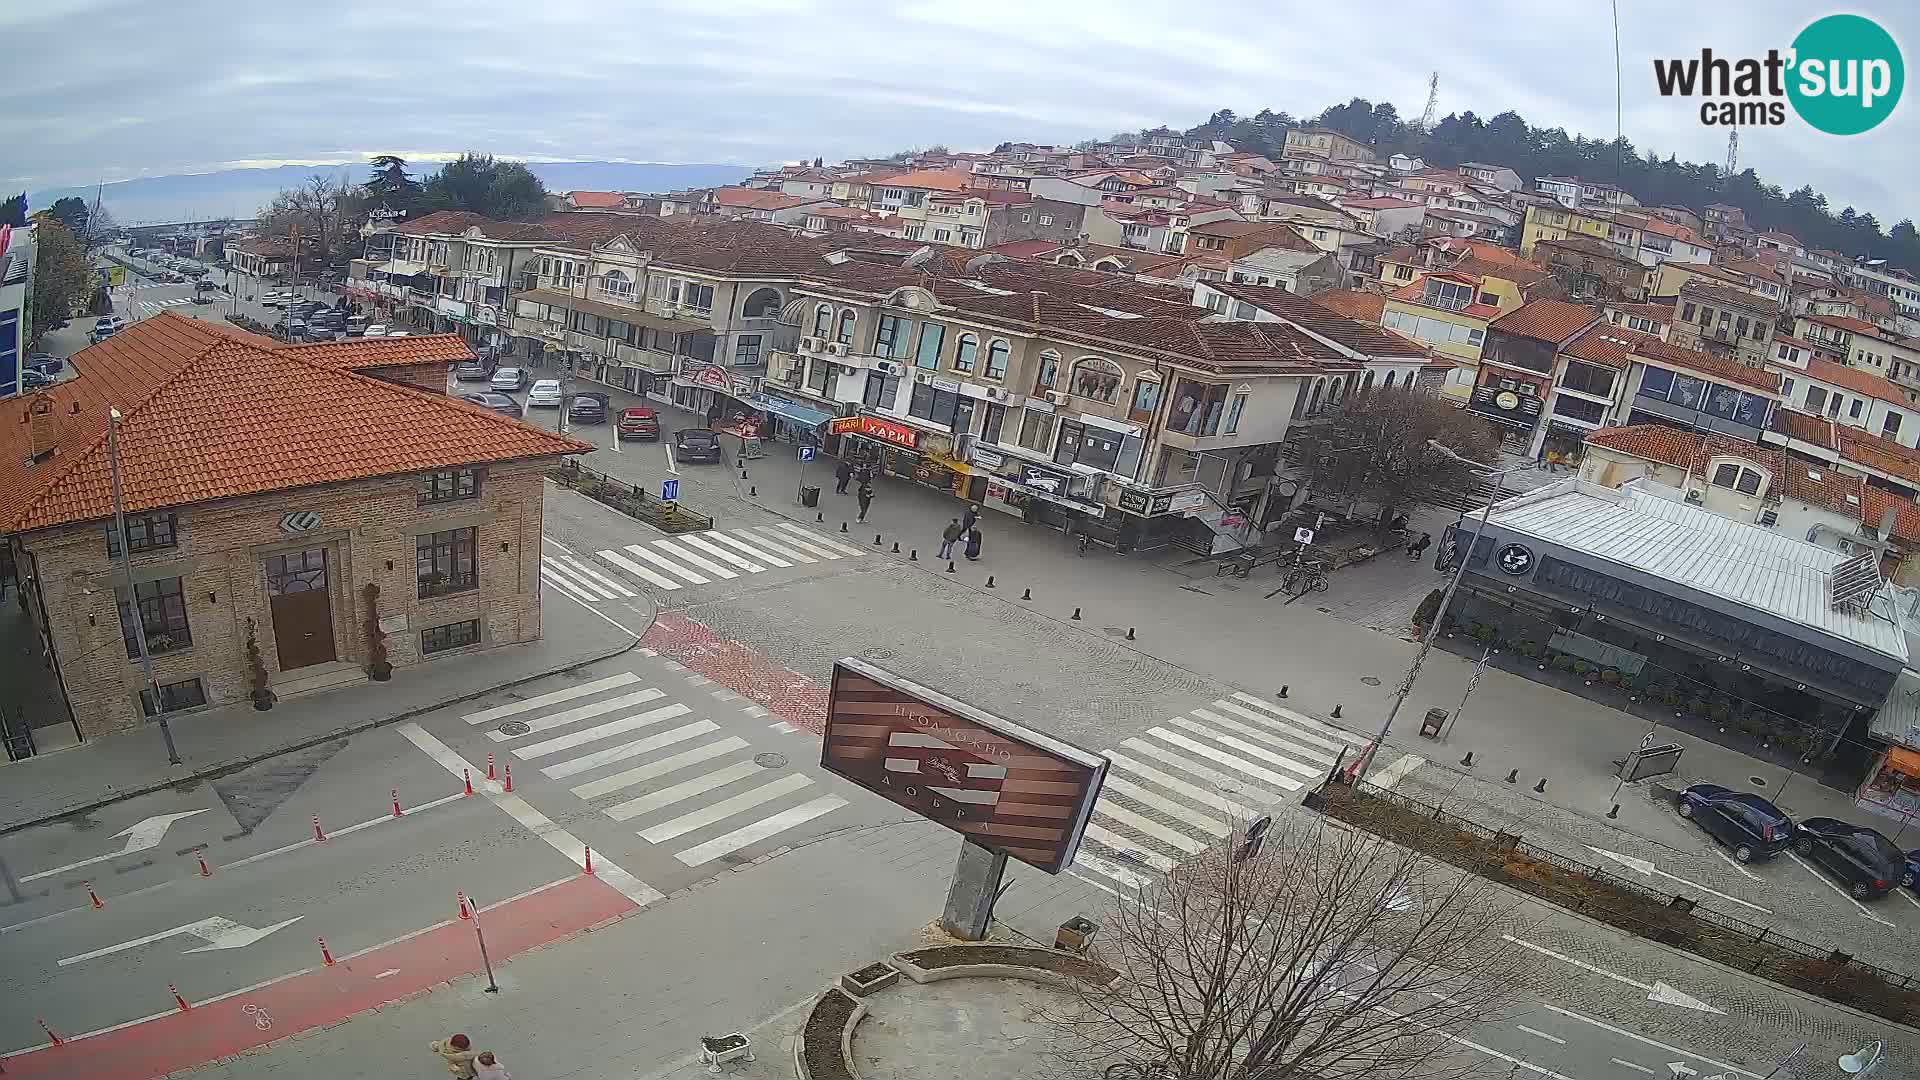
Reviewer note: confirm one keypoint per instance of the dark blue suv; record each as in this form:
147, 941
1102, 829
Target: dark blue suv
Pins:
1753, 827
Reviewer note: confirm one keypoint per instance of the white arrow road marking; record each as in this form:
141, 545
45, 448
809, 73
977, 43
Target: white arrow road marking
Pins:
1646, 867
1731, 1070
1630, 1065
1657, 992
218, 933
140, 837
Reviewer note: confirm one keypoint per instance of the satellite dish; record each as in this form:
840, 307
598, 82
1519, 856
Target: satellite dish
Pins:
975, 264
919, 258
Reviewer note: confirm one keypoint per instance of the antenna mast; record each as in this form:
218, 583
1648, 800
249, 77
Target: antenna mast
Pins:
1433, 102
1733, 151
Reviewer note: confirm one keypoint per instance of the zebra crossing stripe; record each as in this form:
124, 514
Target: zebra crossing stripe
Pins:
580, 584
582, 712
721, 553
1265, 776
686, 789
1267, 737
782, 544
640, 773
767, 534
706, 565
1089, 861
759, 830
589, 572
547, 575
1245, 747
1301, 719
602, 731
1146, 826
1291, 731
670, 567
817, 540
767, 549
637, 570
1391, 776
1113, 841
514, 708
726, 808
723, 538
1218, 779
1148, 797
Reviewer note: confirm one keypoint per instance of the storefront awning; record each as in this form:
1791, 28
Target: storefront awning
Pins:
794, 411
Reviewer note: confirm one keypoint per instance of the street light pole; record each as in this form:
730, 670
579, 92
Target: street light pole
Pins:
126, 576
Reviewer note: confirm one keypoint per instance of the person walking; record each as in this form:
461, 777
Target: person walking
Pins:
488, 1067
842, 473
973, 544
949, 537
457, 1052
865, 495
969, 517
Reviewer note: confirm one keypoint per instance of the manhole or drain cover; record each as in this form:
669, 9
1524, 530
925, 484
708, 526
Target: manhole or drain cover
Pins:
514, 727
878, 654
1757, 781
770, 761
1370, 680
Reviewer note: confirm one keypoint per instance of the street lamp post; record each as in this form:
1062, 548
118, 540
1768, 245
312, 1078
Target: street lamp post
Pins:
1446, 600
126, 576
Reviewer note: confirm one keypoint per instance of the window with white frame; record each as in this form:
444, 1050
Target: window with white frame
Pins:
1046, 219
822, 321
964, 353
997, 353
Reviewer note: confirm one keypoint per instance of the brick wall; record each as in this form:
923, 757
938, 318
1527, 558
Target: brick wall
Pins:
368, 529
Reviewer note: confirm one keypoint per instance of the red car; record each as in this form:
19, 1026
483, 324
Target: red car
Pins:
638, 423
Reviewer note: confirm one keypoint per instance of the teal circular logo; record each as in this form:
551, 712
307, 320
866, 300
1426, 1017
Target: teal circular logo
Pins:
1847, 74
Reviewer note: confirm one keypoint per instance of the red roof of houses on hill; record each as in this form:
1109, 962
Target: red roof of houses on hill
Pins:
597, 200
1551, 321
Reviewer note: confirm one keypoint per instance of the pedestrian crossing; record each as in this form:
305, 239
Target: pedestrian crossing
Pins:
1187, 783
690, 559
680, 780
154, 307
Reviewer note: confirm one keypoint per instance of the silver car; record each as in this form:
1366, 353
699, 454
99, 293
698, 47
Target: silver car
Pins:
509, 379
546, 393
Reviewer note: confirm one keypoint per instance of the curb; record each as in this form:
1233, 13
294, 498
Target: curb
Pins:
236, 764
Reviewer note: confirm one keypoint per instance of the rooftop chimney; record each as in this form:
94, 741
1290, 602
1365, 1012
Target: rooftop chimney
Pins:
42, 428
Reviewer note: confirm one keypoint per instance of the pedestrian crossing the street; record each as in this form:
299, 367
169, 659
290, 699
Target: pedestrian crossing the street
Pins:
1188, 783
678, 779
690, 559
154, 307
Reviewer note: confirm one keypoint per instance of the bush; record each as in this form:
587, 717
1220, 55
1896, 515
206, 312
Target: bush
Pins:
1424, 614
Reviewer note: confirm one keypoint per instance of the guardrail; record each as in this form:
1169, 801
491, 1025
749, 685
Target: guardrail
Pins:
630, 499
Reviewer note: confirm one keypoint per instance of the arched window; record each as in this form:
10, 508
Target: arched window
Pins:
1049, 372
997, 360
964, 352
1313, 406
1366, 382
1096, 378
616, 284
822, 321
1069, 258
845, 336
1389, 383
762, 304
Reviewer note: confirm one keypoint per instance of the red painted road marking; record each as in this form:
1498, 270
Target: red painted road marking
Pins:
791, 696
181, 1040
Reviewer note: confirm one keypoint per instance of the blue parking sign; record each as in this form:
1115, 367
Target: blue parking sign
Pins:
806, 453
670, 489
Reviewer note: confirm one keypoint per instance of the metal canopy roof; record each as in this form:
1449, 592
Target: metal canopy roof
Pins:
1699, 550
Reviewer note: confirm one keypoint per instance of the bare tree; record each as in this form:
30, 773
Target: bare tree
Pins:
1376, 449
1331, 954
323, 210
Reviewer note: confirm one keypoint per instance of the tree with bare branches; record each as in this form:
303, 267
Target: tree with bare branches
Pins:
1326, 954
324, 211
1376, 449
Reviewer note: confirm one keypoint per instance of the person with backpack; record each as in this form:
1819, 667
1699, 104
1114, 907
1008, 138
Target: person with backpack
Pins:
949, 537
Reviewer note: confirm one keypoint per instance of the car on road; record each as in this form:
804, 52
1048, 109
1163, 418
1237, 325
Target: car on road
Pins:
471, 371
274, 300
378, 329
356, 326
639, 422
499, 403
106, 327
588, 408
1753, 827
1865, 861
696, 444
1910, 874
545, 394
509, 379
31, 379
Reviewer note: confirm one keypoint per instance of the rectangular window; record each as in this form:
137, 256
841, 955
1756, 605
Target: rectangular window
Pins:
1853, 410
1656, 382
1036, 431
1146, 397
458, 635
1234, 408
450, 485
746, 350
1749, 482
173, 697
1686, 313
445, 561
935, 406
145, 532
699, 297
1816, 398
941, 236
933, 337
1740, 328
1891, 425
1046, 219
1578, 409
1726, 475
163, 616
1587, 379
996, 419
1085, 444
890, 336
881, 391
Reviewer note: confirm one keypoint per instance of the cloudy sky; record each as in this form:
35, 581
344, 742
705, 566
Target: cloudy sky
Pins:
115, 89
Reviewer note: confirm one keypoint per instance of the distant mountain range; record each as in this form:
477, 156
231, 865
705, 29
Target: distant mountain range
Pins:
241, 192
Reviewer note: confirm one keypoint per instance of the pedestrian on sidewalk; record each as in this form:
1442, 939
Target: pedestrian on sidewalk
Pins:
968, 518
865, 495
488, 1067
949, 537
458, 1054
842, 473
973, 544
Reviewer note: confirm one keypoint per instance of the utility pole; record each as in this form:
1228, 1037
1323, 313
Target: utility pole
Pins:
1733, 150
126, 578
1433, 102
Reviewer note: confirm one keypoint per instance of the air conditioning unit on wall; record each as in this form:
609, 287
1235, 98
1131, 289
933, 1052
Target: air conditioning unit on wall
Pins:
809, 344
1695, 497
835, 348
1058, 397
893, 368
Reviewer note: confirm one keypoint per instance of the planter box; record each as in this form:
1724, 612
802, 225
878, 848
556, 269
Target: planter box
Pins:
867, 980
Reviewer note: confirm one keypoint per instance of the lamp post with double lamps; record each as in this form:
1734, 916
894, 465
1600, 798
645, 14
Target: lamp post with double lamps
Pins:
1446, 598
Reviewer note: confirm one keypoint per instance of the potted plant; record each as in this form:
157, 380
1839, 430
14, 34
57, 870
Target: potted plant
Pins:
1429, 608
263, 695
378, 669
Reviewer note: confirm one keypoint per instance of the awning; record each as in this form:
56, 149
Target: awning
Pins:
618, 312
794, 411
402, 268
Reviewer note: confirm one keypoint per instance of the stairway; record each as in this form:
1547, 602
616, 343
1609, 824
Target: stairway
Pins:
318, 677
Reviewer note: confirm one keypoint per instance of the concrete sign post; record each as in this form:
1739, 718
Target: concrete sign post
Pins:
976, 885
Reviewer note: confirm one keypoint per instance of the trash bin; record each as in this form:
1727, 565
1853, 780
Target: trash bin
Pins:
809, 496
1431, 724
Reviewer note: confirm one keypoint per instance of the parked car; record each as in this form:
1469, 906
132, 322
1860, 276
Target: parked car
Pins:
1866, 862
1753, 827
696, 444
499, 403
545, 394
323, 333
357, 326
1910, 875
588, 408
107, 326
638, 423
378, 329
31, 379
471, 371
509, 379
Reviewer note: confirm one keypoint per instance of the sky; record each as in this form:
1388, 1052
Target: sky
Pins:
105, 90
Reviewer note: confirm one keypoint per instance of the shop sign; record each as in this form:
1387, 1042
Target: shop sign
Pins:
951, 386
1186, 501
743, 387
1161, 504
1043, 480
987, 459
843, 425
707, 375
887, 431
1134, 502
936, 444
486, 315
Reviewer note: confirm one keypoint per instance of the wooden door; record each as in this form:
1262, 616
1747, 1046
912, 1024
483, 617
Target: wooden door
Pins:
302, 611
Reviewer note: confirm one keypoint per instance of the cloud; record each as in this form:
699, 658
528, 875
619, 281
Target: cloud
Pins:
107, 89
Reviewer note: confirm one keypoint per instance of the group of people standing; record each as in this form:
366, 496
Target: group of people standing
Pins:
962, 532
464, 1064
847, 472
